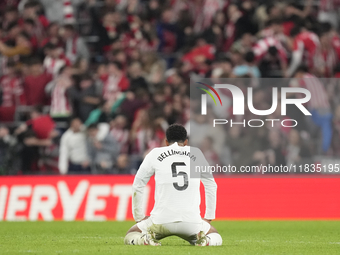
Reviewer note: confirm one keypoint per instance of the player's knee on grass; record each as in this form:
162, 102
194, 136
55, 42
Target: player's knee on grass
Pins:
133, 238
214, 239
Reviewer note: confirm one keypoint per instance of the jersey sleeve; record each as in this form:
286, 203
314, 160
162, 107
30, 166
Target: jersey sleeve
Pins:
142, 177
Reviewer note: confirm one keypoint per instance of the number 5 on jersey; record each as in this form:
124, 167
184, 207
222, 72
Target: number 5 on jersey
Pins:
181, 173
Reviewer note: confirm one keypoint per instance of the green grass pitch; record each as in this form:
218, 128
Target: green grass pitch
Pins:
239, 237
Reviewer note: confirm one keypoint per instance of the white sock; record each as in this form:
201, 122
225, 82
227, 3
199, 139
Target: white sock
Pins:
215, 239
134, 238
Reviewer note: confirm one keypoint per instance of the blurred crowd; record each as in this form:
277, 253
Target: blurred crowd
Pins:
90, 86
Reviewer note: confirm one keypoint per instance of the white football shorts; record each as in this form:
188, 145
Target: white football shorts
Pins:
185, 230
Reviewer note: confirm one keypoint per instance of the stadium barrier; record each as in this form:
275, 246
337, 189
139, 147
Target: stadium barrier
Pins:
98, 198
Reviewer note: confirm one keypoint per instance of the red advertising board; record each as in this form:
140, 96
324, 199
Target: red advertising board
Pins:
99, 198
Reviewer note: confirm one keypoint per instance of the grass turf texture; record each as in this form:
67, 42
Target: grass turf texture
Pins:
239, 237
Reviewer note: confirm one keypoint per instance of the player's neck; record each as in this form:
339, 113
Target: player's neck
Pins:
179, 144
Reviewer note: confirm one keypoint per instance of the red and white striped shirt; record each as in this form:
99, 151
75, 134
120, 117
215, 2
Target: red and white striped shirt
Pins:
204, 13
12, 91
60, 105
261, 48
308, 43
330, 60
113, 85
52, 65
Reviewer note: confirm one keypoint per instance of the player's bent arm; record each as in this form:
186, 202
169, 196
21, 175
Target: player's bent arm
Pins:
210, 188
142, 178
137, 198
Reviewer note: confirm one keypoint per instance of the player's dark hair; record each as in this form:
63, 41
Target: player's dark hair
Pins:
176, 133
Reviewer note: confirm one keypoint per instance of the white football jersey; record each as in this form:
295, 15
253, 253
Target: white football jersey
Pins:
177, 188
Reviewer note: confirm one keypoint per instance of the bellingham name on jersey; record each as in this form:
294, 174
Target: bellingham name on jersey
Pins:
169, 153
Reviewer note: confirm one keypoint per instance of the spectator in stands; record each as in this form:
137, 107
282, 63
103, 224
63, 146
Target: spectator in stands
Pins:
168, 33
28, 28
115, 82
105, 111
35, 83
32, 10
54, 59
73, 158
120, 132
123, 165
61, 108
329, 12
38, 132
75, 45
85, 99
329, 49
106, 27
248, 68
10, 15
22, 46
60, 11
244, 44
137, 81
12, 93
103, 152
41, 124
52, 35
7, 152
13, 29
306, 48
